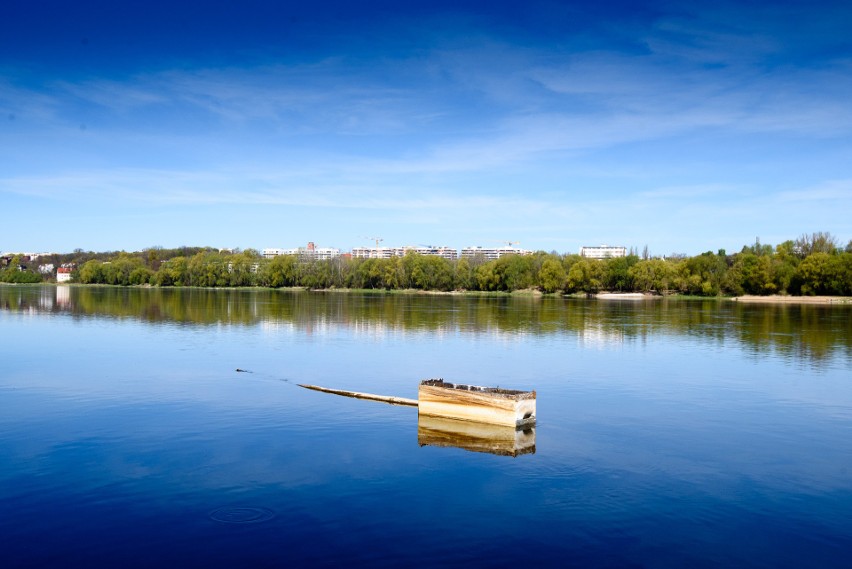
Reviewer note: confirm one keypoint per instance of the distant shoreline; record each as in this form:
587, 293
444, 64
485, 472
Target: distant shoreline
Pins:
778, 299
524, 293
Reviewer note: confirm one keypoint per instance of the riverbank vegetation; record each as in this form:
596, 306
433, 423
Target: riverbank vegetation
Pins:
811, 265
15, 272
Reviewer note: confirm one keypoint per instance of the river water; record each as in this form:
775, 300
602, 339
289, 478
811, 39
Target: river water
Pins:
670, 433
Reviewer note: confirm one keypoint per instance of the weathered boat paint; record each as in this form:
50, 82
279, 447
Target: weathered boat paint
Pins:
493, 405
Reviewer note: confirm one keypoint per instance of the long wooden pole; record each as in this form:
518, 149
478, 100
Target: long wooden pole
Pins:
383, 398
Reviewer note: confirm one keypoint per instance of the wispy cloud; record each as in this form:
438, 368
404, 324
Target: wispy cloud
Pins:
702, 106
831, 190
465, 108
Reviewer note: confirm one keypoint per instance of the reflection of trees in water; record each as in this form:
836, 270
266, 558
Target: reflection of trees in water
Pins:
813, 332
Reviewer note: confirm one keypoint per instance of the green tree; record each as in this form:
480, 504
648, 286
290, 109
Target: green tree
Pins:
817, 273
751, 274
586, 276
552, 276
652, 275
464, 277
279, 272
515, 272
783, 268
702, 275
617, 273
843, 274
91, 272
487, 277
140, 276
173, 272
243, 268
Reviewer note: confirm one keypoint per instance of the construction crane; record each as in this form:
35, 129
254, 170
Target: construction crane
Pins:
510, 243
376, 239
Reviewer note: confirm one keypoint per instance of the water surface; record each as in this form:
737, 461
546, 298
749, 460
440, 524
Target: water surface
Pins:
670, 433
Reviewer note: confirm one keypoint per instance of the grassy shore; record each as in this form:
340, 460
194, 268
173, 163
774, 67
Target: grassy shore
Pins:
794, 299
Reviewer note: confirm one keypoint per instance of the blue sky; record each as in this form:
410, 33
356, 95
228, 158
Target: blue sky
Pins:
682, 126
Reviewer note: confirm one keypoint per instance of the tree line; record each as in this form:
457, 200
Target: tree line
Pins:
811, 265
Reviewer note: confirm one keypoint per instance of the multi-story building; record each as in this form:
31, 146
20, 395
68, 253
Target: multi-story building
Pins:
311, 252
271, 252
491, 253
374, 252
445, 252
390, 252
63, 274
602, 252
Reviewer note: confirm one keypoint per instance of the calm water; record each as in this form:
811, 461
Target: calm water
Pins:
670, 433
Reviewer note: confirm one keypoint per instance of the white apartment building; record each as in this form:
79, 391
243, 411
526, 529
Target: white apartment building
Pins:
602, 252
390, 252
271, 252
374, 252
491, 253
311, 252
445, 252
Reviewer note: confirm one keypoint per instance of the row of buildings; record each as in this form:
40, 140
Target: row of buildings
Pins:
488, 253
323, 253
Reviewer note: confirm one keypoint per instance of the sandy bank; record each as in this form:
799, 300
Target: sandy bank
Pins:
622, 295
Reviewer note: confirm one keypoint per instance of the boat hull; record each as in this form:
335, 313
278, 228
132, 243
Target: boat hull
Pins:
437, 398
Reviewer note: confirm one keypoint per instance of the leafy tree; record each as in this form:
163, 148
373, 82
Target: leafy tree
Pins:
652, 275
243, 267
843, 274
552, 276
816, 273
586, 276
617, 275
702, 275
91, 272
464, 277
751, 274
431, 273
140, 276
315, 275
515, 272
487, 277
279, 272
369, 274
389, 272
173, 272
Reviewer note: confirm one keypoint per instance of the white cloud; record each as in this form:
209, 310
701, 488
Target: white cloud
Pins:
831, 190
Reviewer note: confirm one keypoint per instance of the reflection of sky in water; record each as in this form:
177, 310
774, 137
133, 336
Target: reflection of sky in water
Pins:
119, 436
597, 337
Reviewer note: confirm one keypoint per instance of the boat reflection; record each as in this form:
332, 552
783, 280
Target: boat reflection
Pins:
475, 436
